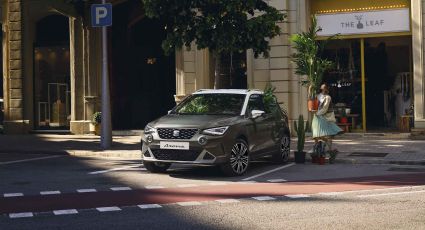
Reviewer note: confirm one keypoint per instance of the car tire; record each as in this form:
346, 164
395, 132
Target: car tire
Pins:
156, 167
282, 155
239, 160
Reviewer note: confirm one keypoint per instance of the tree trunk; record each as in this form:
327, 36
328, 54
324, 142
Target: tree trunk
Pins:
222, 71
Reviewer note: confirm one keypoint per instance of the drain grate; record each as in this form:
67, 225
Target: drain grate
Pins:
368, 154
402, 169
408, 151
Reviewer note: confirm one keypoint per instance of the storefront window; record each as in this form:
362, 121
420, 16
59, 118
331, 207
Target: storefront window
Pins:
344, 81
52, 88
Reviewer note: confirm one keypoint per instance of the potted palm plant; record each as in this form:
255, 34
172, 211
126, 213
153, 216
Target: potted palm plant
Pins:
300, 129
96, 120
309, 62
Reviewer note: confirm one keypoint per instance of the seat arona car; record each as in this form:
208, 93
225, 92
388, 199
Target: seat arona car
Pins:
225, 127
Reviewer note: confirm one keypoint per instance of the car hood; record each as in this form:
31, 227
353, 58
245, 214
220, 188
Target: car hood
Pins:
193, 121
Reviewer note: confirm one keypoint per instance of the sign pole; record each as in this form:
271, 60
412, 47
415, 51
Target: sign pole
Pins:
106, 127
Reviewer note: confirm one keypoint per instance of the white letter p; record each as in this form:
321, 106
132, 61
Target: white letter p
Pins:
101, 12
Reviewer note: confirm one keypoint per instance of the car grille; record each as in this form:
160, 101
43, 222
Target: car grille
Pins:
165, 133
175, 155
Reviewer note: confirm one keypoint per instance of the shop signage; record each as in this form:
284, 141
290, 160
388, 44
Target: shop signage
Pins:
364, 22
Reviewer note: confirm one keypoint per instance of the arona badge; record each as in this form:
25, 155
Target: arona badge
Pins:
176, 133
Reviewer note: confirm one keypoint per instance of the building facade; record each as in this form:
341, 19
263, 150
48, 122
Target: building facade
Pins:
52, 64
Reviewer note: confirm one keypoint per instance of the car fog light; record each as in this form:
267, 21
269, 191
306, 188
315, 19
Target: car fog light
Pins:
202, 140
149, 138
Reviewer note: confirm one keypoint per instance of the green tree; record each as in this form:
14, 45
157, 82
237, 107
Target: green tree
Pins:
308, 57
225, 27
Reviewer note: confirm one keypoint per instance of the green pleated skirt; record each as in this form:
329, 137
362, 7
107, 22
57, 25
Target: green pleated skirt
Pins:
324, 128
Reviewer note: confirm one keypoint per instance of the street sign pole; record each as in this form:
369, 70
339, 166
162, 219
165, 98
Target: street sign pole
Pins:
106, 130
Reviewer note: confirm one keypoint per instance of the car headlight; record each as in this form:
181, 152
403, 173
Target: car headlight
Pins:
216, 131
149, 129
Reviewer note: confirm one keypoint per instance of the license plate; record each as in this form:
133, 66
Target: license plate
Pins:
174, 145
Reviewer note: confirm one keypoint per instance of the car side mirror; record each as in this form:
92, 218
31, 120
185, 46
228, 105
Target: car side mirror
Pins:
257, 113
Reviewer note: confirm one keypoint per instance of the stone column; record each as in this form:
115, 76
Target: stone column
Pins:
418, 62
13, 70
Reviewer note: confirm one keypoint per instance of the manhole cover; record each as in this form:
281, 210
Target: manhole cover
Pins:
364, 154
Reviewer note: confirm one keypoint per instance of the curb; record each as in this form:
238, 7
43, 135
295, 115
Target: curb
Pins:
80, 153
381, 162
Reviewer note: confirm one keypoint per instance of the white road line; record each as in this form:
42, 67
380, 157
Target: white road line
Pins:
65, 212
147, 206
49, 192
263, 198
108, 209
21, 215
297, 196
372, 190
270, 171
276, 180
217, 183
189, 203
187, 185
86, 190
26, 160
120, 188
390, 194
115, 169
247, 182
227, 201
154, 187
13, 194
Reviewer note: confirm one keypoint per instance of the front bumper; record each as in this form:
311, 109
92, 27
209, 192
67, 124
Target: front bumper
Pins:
211, 153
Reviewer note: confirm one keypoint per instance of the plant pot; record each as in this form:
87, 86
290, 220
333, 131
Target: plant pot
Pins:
92, 128
322, 160
344, 120
299, 157
97, 129
313, 104
314, 159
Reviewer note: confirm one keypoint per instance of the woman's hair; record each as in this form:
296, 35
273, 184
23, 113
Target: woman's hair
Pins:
324, 86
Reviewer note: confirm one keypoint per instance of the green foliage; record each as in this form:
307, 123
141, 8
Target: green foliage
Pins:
301, 129
332, 155
223, 26
96, 118
270, 102
308, 58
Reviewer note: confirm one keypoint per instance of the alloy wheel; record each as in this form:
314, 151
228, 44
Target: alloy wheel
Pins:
285, 148
239, 158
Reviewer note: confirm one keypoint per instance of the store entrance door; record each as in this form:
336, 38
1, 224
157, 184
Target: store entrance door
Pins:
388, 78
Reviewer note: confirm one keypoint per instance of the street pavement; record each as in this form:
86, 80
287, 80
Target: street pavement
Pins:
81, 187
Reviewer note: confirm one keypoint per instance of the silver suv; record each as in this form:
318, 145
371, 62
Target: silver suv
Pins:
222, 127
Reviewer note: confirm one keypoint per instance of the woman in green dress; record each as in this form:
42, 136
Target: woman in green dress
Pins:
323, 125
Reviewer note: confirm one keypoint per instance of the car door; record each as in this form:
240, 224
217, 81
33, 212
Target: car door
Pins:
258, 128
278, 126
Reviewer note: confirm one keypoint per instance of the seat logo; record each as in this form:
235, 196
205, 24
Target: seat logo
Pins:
176, 133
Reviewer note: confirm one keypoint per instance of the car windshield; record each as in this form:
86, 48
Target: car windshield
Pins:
212, 104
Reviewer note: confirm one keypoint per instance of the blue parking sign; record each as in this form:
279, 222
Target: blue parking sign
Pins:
101, 15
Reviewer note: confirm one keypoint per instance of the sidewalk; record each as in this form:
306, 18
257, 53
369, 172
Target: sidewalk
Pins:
75, 145
375, 149
354, 149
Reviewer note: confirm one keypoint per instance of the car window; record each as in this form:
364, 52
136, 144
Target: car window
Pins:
255, 103
273, 108
211, 104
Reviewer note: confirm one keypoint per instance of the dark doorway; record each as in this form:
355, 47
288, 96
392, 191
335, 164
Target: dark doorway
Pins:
389, 82
1, 85
52, 97
142, 78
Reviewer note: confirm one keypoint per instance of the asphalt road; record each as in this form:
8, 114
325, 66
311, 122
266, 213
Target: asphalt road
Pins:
48, 192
